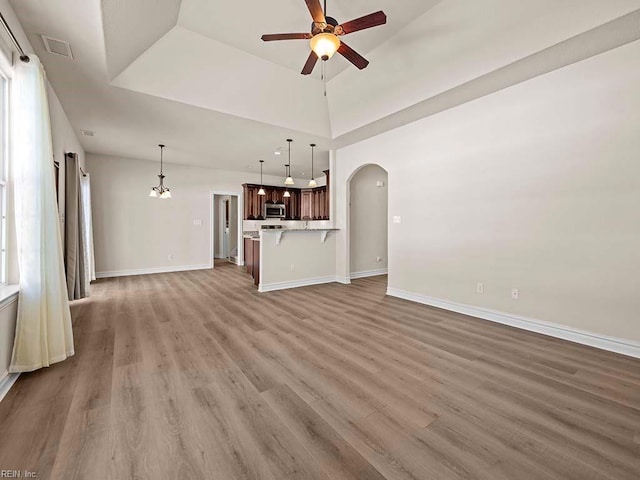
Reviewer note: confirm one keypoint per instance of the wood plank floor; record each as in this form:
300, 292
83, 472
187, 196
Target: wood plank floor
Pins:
195, 375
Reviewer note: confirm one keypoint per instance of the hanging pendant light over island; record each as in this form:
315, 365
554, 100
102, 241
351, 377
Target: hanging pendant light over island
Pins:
261, 191
289, 180
312, 182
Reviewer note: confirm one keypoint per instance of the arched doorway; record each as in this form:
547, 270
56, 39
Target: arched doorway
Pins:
368, 222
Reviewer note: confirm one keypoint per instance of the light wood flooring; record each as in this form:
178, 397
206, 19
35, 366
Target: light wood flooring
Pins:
196, 375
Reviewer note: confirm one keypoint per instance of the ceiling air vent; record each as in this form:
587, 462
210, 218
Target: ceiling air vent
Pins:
56, 47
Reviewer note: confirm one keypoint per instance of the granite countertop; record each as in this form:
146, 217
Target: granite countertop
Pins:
302, 230
255, 234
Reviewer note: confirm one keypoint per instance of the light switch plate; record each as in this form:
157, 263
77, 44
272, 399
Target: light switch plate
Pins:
397, 219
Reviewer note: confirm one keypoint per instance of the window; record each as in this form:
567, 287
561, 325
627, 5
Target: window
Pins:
4, 155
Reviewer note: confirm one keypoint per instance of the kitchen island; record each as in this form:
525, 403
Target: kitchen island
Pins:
292, 257
252, 254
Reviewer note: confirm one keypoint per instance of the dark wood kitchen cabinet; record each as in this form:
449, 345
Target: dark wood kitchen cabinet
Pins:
306, 199
302, 204
253, 203
248, 255
327, 199
252, 258
256, 261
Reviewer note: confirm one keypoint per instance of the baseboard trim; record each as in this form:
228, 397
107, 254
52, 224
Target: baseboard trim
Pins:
603, 342
344, 280
6, 383
369, 273
148, 271
270, 287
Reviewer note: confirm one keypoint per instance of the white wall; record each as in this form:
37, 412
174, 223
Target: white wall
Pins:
64, 141
233, 226
218, 227
134, 233
535, 187
368, 221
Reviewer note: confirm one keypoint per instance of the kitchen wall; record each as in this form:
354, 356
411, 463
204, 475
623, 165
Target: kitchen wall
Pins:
64, 140
136, 234
368, 221
535, 187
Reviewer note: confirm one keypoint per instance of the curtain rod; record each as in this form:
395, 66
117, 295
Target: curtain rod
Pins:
23, 56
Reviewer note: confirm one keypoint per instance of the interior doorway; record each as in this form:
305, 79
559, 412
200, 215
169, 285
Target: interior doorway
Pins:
368, 222
226, 243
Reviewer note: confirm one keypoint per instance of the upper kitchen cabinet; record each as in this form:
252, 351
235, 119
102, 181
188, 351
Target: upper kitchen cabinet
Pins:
302, 204
253, 203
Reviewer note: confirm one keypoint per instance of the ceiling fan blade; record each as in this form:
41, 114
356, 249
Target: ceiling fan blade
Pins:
354, 57
311, 63
368, 21
315, 9
285, 36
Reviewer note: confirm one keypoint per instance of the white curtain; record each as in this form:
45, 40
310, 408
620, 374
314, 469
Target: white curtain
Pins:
43, 331
87, 228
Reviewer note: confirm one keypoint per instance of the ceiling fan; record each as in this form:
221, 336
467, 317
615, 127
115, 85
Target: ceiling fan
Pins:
325, 33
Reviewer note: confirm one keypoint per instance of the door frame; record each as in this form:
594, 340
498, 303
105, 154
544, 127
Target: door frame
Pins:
214, 219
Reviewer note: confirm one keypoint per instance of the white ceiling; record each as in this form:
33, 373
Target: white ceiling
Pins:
194, 74
240, 25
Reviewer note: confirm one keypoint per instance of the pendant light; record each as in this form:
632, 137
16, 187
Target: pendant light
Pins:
289, 180
312, 182
286, 194
261, 191
160, 191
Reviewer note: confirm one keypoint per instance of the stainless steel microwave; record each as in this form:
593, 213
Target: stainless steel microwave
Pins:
274, 210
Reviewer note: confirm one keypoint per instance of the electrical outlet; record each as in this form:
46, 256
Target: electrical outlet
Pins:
378, 259
515, 293
170, 256
480, 287
292, 267
397, 219
197, 223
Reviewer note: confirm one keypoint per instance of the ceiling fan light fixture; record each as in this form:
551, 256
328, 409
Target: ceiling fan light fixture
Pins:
324, 45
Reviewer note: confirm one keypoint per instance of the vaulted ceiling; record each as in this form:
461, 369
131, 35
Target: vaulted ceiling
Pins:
195, 75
